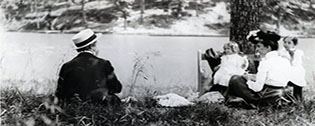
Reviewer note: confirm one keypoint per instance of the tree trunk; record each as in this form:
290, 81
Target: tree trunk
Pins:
311, 2
84, 14
142, 6
197, 8
36, 11
245, 16
21, 2
279, 21
125, 22
32, 6
82, 3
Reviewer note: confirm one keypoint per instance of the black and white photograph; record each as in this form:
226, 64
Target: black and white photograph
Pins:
157, 62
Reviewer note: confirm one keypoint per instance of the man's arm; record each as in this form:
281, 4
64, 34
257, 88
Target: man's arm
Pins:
60, 91
114, 85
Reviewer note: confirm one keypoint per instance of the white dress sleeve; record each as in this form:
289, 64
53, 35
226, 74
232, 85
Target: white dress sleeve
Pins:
297, 69
245, 63
261, 77
285, 54
298, 58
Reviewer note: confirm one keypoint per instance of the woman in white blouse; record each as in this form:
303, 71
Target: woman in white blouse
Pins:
271, 79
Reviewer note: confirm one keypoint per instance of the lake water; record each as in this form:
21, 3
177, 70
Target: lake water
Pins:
167, 61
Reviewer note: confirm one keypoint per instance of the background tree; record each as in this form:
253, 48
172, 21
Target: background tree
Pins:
281, 10
178, 7
9, 9
34, 8
245, 16
311, 4
197, 3
123, 6
82, 3
142, 8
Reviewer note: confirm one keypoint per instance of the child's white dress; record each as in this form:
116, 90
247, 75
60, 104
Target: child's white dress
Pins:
233, 64
297, 74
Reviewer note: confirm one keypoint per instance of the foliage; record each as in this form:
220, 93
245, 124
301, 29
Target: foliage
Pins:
140, 69
102, 16
15, 10
287, 12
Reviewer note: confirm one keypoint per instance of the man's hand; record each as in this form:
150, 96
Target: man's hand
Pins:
99, 94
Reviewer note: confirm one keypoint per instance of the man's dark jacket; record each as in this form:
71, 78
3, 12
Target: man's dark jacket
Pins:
87, 75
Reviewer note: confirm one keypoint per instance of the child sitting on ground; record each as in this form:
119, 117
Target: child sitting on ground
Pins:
295, 56
232, 63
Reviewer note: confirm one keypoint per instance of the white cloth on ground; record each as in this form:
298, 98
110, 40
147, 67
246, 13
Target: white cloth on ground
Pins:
172, 100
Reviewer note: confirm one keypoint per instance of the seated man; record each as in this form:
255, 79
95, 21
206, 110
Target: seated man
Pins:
86, 75
267, 87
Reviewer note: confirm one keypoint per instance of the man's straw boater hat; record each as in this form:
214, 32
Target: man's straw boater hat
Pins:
85, 38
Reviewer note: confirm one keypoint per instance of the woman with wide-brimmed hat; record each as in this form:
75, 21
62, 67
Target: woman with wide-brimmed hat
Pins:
269, 85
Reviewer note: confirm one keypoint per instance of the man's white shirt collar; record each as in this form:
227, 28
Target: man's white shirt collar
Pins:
88, 51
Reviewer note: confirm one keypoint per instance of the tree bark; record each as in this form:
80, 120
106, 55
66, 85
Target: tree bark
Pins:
35, 9
245, 17
84, 14
197, 8
279, 21
142, 6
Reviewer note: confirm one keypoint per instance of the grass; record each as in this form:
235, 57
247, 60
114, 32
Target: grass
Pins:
30, 108
26, 108
140, 69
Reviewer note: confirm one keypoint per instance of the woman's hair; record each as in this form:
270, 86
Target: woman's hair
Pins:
273, 45
233, 45
293, 39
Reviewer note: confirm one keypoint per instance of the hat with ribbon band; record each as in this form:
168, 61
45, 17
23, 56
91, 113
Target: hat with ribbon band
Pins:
85, 38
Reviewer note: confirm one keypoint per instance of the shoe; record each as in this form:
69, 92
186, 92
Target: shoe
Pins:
235, 100
239, 102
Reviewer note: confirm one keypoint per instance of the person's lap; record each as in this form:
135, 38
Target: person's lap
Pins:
238, 87
269, 95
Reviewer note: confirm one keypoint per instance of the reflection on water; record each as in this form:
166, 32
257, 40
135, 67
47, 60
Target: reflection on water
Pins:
167, 60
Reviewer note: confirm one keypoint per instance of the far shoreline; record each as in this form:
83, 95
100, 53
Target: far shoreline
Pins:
145, 34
